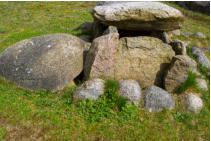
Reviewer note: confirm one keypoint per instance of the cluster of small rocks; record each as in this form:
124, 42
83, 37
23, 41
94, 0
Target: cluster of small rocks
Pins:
129, 45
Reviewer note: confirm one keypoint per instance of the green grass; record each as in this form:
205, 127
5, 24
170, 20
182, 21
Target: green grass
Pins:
21, 20
96, 111
59, 118
2, 133
25, 114
194, 22
109, 105
189, 83
189, 52
205, 71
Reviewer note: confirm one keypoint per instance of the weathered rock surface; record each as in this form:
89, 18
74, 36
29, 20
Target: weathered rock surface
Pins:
130, 90
100, 58
202, 84
196, 50
86, 38
178, 47
139, 58
143, 59
46, 62
157, 99
200, 35
138, 15
174, 32
111, 29
187, 34
203, 60
178, 72
91, 89
165, 37
192, 102
200, 56
186, 43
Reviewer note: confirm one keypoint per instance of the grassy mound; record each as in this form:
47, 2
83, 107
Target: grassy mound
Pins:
27, 115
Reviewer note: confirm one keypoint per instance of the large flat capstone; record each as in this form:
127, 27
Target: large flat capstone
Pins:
138, 15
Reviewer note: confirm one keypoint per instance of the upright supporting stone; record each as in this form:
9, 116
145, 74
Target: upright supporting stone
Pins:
99, 60
164, 37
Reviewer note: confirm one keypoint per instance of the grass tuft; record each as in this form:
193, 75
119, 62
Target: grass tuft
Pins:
189, 52
189, 83
110, 104
204, 71
2, 133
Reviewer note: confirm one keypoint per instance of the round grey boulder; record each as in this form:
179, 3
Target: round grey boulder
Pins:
196, 50
202, 84
201, 58
47, 62
130, 90
200, 35
187, 34
157, 99
91, 89
192, 102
